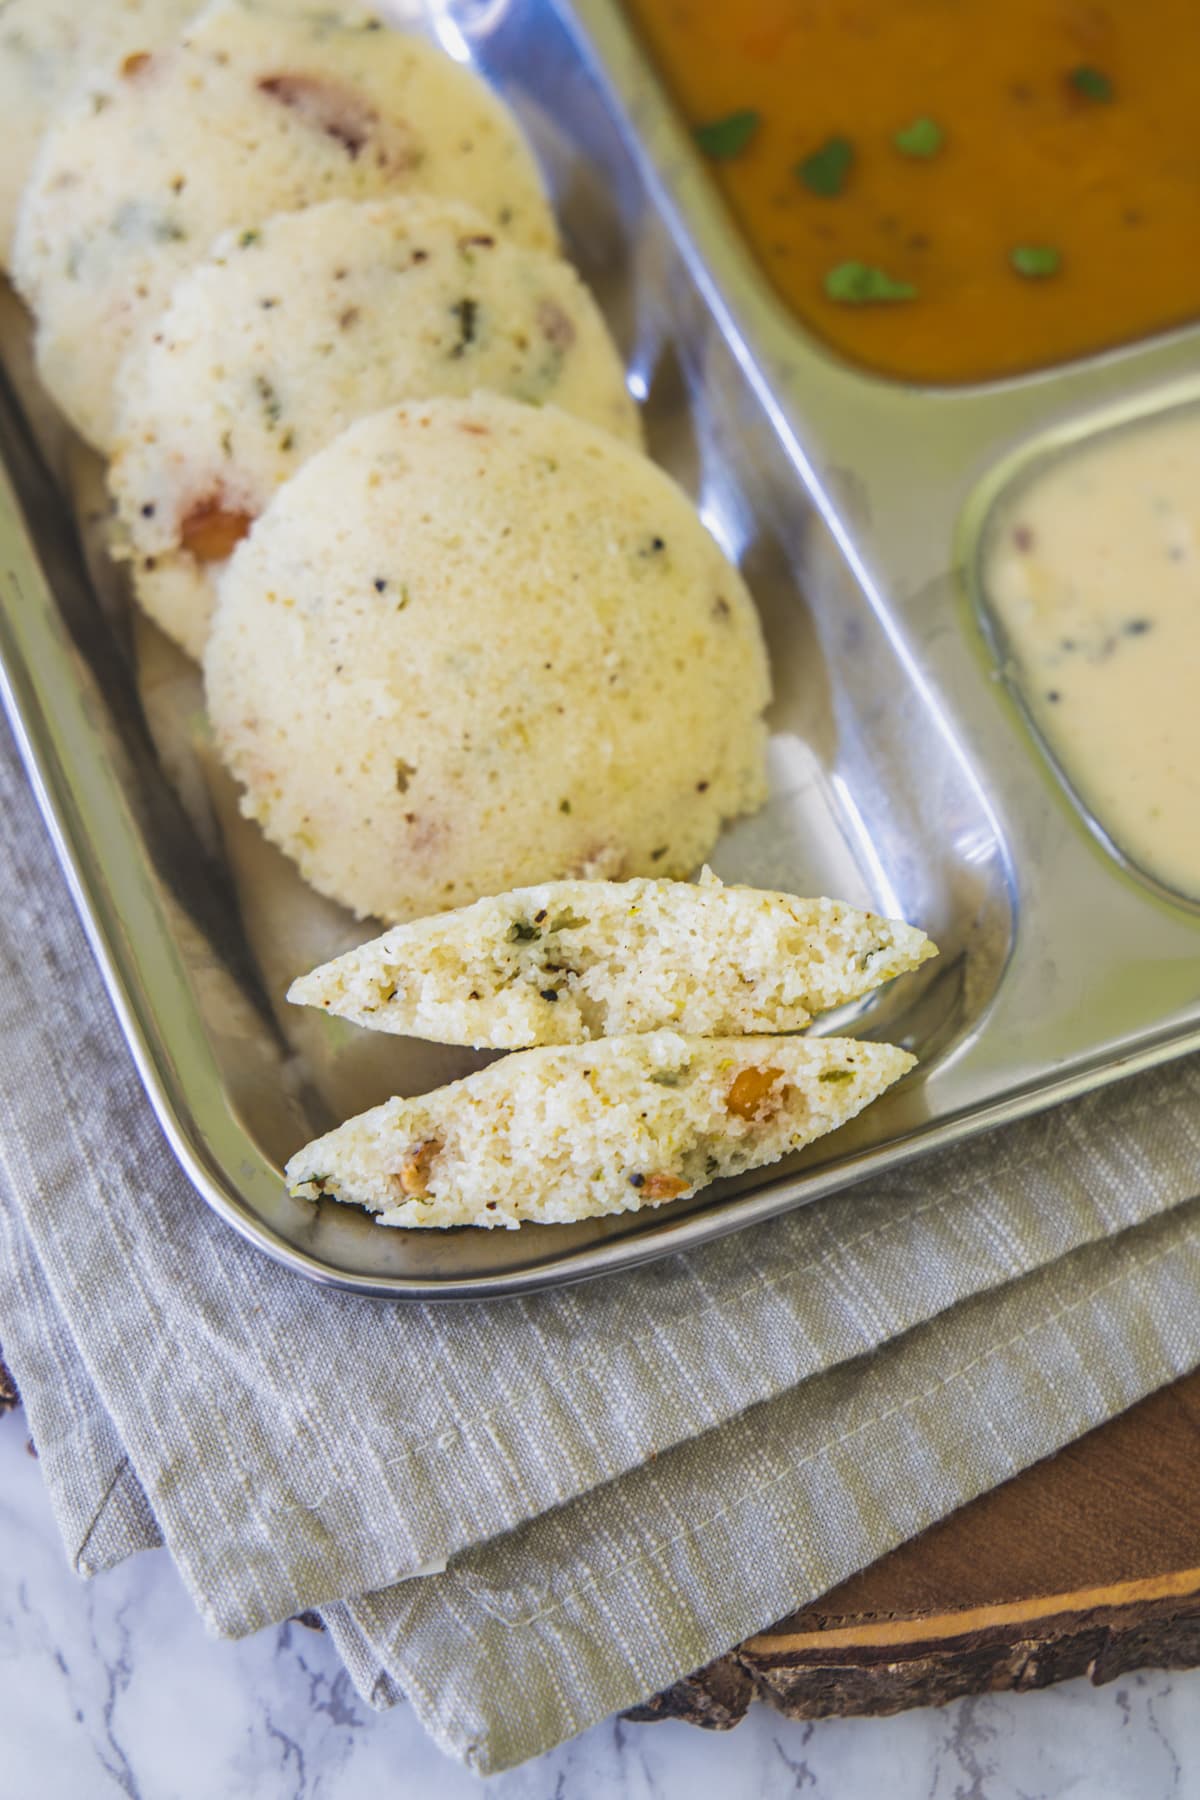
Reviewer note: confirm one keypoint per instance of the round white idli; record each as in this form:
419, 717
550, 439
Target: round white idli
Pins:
474, 645
253, 111
274, 346
44, 47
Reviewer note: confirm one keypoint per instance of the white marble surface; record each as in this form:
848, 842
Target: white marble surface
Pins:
112, 1687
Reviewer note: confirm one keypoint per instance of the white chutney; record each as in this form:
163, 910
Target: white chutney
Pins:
1091, 570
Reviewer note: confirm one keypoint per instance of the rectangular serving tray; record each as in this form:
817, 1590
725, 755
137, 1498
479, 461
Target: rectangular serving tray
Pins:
903, 773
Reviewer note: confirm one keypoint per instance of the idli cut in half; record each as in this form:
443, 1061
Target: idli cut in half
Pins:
573, 960
45, 45
474, 644
555, 1135
291, 332
256, 109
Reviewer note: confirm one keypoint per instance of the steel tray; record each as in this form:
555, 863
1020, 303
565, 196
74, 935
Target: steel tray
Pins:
903, 775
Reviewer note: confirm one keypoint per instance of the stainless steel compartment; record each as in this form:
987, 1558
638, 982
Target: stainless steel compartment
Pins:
901, 776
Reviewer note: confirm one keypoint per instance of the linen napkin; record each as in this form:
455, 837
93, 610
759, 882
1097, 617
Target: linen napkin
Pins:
296, 1447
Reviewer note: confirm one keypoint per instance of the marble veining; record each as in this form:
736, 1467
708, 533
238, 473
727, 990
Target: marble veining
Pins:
112, 1687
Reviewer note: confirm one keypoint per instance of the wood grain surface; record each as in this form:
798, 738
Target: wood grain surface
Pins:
1086, 1564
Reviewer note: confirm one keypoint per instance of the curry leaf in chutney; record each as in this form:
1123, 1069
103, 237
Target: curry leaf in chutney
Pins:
922, 139
1035, 261
1093, 84
858, 284
723, 139
824, 172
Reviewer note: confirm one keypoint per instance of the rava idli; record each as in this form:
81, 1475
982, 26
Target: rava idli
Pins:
474, 644
291, 332
552, 1136
45, 47
568, 961
255, 110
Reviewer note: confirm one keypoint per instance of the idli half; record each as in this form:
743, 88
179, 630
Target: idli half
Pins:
474, 645
551, 1136
568, 961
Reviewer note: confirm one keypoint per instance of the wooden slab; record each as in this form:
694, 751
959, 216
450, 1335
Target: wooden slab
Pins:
1087, 1564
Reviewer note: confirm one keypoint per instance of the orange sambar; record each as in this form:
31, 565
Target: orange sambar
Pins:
1068, 144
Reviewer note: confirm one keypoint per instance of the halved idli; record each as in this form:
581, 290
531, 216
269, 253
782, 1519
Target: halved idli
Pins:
568, 961
551, 1136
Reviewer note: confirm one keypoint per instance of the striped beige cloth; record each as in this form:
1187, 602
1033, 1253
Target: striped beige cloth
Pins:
624, 1478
